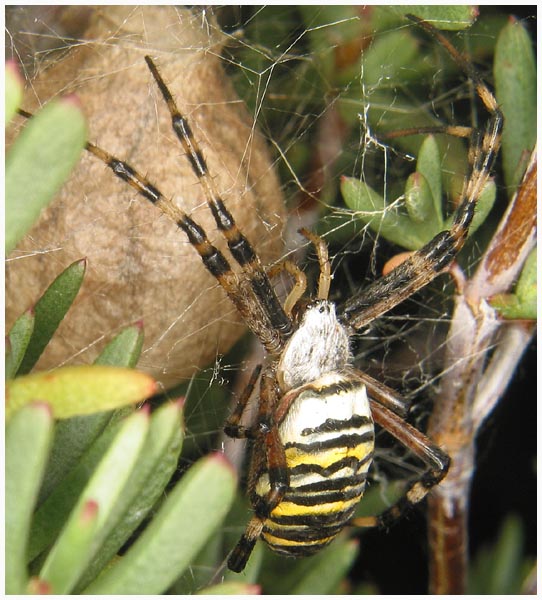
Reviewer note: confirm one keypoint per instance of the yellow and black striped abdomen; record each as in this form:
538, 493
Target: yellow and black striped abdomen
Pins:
328, 437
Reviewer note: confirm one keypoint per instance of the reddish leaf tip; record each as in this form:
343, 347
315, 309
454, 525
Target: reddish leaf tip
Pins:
41, 405
254, 589
153, 388
72, 99
89, 511
13, 67
38, 586
180, 402
221, 457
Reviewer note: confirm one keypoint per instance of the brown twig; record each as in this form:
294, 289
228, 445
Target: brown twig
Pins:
474, 381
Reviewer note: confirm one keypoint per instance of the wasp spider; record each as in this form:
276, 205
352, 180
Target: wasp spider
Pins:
314, 430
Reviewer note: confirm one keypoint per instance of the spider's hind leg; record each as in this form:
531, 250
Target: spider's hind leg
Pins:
436, 460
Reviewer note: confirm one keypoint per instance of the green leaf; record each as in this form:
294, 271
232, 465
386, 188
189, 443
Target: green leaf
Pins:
49, 311
153, 470
522, 304
318, 574
380, 497
17, 342
371, 208
388, 55
192, 511
327, 568
75, 435
429, 164
501, 569
419, 202
80, 390
231, 588
63, 493
38, 163
28, 438
124, 350
84, 530
515, 88
14, 90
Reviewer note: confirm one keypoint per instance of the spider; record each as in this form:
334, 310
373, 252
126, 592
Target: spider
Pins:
313, 436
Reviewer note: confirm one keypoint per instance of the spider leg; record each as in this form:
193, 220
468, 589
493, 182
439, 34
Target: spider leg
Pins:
383, 394
431, 260
453, 130
238, 244
239, 290
267, 320
231, 427
239, 556
436, 460
266, 434
324, 280
299, 287
269, 455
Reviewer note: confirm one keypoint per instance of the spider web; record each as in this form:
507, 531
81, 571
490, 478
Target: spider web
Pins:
321, 112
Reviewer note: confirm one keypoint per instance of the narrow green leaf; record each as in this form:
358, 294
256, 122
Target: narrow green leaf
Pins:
39, 162
515, 88
507, 557
501, 568
429, 164
522, 304
420, 204
17, 342
50, 309
380, 497
388, 54
80, 390
318, 574
63, 494
383, 220
75, 435
28, 438
327, 568
14, 90
236, 588
193, 510
526, 284
153, 470
83, 531
123, 350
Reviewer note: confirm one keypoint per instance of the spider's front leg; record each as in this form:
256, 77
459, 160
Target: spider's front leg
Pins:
428, 262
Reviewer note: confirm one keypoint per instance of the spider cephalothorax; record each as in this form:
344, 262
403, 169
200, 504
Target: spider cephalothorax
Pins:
319, 345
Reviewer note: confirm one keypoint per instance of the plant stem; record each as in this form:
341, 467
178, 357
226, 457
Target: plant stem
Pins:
481, 358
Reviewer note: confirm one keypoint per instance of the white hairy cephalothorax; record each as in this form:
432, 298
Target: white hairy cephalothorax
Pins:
320, 345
